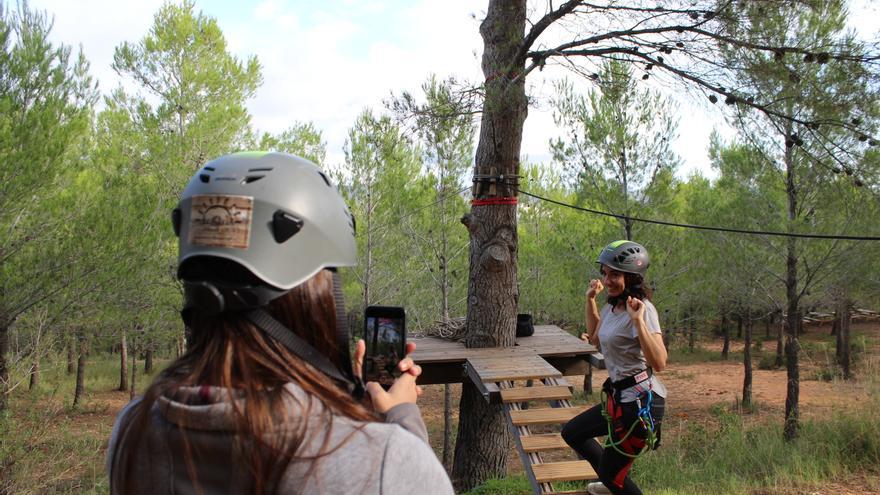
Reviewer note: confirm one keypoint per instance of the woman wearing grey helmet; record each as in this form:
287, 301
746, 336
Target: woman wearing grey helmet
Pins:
266, 399
627, 331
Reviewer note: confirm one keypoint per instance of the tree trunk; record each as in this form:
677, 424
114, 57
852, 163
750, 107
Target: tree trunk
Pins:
780, 330
843, 351
835, 325
739, 326
692, 330
71, 352
588, 379
725, 331
747, 361
767, 323
792, 411
133, 390
148, 358
35, 374
181, 347
80, 369
123, 363
483, 436
4, 369
447, 427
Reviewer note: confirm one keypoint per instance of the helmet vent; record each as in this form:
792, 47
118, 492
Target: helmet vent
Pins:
285, 225
251, 178
210, 168
205, 178
260, 169
326, 180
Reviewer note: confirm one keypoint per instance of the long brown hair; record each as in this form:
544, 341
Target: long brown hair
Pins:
228, 351
633, 286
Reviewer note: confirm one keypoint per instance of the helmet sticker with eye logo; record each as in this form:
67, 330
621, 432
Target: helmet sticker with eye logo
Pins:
221, 221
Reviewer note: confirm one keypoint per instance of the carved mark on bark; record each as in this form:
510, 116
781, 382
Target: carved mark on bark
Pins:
497, 251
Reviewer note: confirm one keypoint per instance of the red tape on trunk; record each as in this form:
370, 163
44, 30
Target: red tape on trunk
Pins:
503, 200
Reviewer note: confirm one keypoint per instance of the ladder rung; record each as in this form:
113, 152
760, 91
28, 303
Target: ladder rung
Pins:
538, 443
563, 471
545, 416
523, 394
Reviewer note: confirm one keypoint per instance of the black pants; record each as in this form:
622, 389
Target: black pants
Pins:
612, 466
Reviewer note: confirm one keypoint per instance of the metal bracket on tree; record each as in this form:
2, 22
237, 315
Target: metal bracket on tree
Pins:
485, 190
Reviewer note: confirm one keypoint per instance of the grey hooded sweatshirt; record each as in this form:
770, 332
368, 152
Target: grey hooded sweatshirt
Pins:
359, 457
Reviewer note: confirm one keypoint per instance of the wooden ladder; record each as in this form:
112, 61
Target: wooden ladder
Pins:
495, 376
542, 474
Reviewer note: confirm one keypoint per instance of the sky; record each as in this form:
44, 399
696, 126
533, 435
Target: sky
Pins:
325, 62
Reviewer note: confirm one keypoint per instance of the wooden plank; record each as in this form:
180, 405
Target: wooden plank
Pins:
564, 471
597, 359
538, 443
524, 394
490, 391
519, 367
437, 373
545, 416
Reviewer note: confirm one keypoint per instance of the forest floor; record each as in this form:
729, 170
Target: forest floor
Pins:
70, 443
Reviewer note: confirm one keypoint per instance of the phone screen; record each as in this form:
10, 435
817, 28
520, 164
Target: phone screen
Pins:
385, 337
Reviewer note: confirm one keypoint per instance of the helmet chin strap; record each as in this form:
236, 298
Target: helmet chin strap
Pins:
343, 338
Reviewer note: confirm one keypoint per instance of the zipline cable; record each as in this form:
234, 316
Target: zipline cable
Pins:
704, 227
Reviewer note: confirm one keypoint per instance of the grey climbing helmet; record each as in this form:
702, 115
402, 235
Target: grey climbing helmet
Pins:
251, 227
625, 256
275, 214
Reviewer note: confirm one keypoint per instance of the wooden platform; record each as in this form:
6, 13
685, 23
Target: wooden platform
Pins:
443, 361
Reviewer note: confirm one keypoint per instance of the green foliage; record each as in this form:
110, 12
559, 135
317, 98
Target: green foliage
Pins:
618, 141
46, 97
300, 139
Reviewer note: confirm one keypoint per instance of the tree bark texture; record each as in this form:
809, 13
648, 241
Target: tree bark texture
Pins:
80, 370
483, 436
485, 430
123, 363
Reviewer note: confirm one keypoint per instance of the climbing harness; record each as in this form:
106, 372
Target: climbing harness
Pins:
629, 445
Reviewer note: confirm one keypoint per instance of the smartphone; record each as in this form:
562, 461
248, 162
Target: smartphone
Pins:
385, 336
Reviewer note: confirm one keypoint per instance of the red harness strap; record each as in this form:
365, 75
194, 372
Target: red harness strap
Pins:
502, 200
632, 444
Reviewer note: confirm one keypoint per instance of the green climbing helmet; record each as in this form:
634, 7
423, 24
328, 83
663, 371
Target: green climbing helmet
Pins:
625, 256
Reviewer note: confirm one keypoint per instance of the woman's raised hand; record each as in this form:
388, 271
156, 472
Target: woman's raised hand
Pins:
635, 308
595, 288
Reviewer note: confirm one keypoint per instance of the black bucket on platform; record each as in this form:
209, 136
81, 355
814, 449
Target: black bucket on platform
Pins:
524, 326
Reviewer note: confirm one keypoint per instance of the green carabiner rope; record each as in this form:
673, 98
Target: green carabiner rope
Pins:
649, 441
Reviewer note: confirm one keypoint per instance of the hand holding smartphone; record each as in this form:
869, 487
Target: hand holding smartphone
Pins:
385, 339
